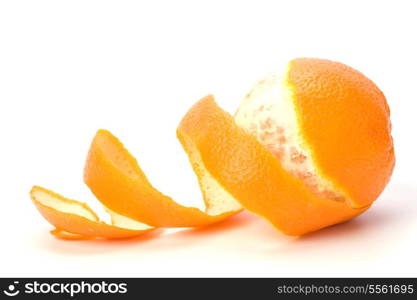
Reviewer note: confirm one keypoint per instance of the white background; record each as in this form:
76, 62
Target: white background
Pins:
68, 68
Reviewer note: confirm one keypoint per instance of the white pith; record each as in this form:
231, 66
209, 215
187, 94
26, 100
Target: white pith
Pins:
125, 222
51, 201
217, 199
268, 113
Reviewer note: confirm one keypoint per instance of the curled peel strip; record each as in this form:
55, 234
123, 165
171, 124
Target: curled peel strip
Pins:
116, 179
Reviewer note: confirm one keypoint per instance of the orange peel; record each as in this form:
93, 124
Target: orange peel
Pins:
116, 179
76, 220
347, 125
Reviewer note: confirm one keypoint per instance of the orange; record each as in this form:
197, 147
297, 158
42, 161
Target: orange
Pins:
309, 147
327, 124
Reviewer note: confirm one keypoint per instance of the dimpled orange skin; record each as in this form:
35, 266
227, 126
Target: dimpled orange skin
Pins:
79, 226
249, 172
115, 178
344, 118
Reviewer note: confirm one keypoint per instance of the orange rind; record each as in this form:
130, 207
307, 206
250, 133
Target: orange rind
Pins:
347, 126
309, 147
76, 220
116, 179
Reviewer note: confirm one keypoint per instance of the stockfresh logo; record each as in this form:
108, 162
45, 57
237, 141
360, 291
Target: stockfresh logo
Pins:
70, 288
12, 289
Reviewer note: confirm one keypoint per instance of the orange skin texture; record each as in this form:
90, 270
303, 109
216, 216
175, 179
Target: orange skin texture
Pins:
80, 227
249, 172
344, 118
115, 178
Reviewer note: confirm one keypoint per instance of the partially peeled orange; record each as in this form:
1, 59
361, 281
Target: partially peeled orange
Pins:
308, 147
